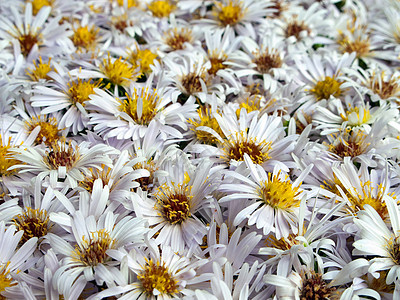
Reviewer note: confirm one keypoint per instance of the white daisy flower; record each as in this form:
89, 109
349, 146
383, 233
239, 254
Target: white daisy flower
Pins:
380, 241
320, 75
33, 34
267, 58
13, 261
354, 115
262, 138
63, 163
67, 94
274, 200
11, 180
87, 254
129, 117
378, 84
187, 74
309, 281
172, 208
240, 15
174, 35
155, 273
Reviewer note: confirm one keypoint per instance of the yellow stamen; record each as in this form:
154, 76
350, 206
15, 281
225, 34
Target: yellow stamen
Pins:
230, 14
34, 223
355, 118
6, 160
144, 59
79, 91
173, 202
235, 148
278, 193
49, 132
327, 87
161, 8
85, 37
157, 277
93, 250
119, 72
176, 38
149, 101
61, 155
207, 120
38, 4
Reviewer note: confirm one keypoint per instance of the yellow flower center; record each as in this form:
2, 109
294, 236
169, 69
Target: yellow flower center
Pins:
207, 120
174, 202
5, 279
393, 247
61, 155
6, 160
34, 223
144, 59
79, 91
230, 14
217, 60
176, 38
130, 3
327, 87
355, 118
235, 148
251, 103
283, 243
93, 250
38, 4
160, 8
49, 132
367, 197
41, 70
149, 101
85, 37
267, 60
278, 193
119, 72
157, 277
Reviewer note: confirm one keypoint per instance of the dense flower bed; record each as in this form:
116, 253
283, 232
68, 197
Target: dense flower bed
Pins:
199, 149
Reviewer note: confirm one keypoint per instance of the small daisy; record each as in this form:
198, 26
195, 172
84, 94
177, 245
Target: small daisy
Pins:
354, 115
87, 254
33, 34
236, 14
378, 84
129, 117
262, 138
155, 273
67, 94
173, 206
320, 76
13, 261
268, 59
63, 163
274, 200
380, 241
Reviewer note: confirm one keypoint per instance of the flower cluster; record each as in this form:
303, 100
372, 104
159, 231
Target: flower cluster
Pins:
199, 149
